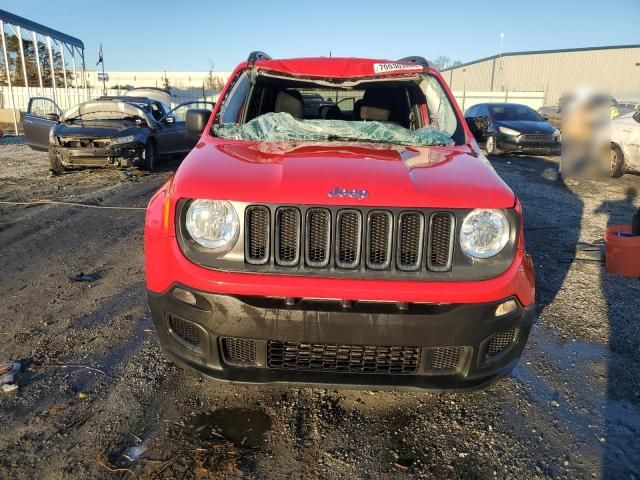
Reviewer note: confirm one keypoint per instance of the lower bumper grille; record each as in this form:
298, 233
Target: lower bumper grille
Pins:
537, 138
185, 330
446, 359
239, 351
188, 334
343, 358
501, 342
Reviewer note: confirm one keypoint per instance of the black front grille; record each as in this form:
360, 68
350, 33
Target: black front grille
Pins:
349, 235
287, 236
379, 230
184, 329
239, 351
447, 358
441, 242
317, 237
410, 236
343, 358
257, 238
320, 238
500, 342
542, 138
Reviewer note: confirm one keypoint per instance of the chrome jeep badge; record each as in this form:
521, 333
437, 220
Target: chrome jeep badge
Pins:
338, 192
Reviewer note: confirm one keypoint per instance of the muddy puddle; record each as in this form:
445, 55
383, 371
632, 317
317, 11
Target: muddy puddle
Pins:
244, 426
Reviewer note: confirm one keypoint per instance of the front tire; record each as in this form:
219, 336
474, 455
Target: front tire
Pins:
490, 146
55, 165
150, 156
616, 161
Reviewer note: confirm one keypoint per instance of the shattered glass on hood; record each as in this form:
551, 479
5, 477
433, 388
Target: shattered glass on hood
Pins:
282, 127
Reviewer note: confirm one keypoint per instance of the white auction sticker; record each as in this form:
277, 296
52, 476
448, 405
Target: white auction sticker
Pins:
394, 67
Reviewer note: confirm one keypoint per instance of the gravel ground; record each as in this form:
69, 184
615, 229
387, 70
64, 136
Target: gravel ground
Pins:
97, 399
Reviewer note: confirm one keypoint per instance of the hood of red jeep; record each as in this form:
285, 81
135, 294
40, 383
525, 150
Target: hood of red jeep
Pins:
341, 174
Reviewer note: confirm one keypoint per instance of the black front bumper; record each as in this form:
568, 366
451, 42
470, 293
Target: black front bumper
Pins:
121, 156
509, 144
263, 327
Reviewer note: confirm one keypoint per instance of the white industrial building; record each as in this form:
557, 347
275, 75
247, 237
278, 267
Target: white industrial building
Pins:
614, 69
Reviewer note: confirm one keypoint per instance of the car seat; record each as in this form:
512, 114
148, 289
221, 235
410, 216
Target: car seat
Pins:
290, 101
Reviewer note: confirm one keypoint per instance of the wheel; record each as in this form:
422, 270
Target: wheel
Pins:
617, 161
490, 146
150, 157
55, 165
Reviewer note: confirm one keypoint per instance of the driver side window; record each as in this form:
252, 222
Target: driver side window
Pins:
232, 107
42, 106
156, 112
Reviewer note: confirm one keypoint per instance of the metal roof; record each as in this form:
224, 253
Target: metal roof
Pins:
537, 52
41, 29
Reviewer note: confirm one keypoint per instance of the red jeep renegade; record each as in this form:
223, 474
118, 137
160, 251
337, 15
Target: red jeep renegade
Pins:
337, 224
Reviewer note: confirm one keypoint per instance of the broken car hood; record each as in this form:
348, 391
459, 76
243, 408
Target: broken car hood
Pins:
156, 94
106, 106
391, 176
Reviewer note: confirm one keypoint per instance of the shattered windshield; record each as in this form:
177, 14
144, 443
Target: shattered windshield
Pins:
413, 111
283, 127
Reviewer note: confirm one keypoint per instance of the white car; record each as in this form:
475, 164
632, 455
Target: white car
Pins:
625, 143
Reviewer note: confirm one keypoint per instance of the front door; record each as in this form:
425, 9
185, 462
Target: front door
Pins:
41, 115
172, 136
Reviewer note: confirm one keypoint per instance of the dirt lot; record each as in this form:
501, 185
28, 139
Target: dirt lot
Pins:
97, 399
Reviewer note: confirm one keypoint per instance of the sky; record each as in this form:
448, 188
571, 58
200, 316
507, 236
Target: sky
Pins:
145, 35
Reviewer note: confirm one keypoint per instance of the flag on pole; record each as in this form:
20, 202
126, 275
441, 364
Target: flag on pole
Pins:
100, 59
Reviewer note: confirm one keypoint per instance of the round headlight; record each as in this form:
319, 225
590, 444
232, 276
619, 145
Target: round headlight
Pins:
212, 223
484, 233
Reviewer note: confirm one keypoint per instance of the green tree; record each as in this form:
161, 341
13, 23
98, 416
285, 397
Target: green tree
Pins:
17, 72
442, 61
213, 82
165, 82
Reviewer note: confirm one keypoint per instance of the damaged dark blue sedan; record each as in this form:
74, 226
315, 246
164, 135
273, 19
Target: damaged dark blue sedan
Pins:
110, 131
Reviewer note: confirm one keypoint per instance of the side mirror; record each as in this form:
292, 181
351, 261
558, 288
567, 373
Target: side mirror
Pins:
196, 119
170, 120
52, 116
546, 117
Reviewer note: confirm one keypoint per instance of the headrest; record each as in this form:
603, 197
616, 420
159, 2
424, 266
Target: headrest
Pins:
290, 101
374, 114
378, 97
330, 112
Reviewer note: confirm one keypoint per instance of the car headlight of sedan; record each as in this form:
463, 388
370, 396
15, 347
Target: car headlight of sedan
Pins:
509, 131
127, 139
212, 223
484, 233
556, 134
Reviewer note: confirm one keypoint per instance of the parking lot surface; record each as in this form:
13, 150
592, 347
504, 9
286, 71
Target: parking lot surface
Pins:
97, 399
